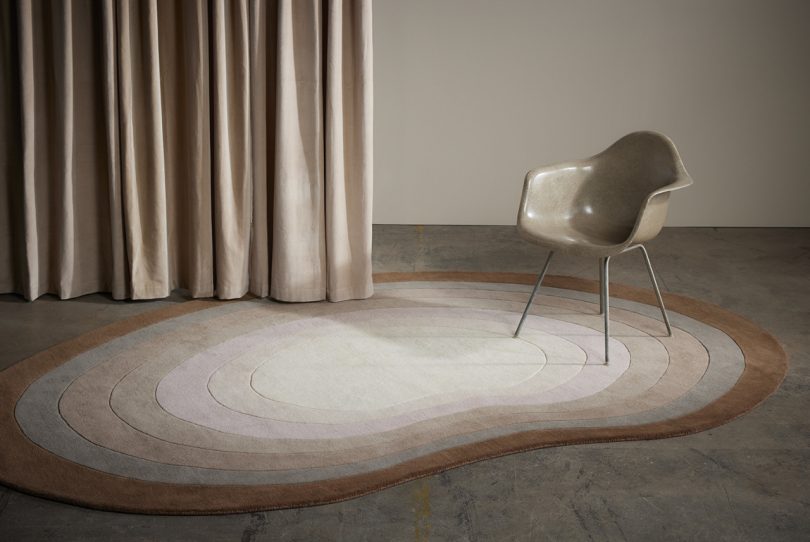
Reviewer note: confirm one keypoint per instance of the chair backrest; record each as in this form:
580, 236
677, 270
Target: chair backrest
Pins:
621, 179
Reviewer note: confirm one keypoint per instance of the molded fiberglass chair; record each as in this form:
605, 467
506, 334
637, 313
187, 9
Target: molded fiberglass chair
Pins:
603, 206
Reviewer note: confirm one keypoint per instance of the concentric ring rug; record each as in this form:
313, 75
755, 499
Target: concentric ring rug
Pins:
216, 407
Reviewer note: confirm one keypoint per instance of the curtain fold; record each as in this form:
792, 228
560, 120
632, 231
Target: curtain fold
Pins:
299, 152
349, 149
223, 147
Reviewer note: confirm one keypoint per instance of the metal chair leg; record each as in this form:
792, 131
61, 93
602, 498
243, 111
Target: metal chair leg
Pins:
605, 303
534, 291
657, 291
601, 280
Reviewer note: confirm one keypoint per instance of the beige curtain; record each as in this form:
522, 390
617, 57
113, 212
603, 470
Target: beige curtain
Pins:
220, 146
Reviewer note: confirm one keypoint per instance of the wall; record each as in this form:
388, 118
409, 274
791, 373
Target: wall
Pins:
470, 94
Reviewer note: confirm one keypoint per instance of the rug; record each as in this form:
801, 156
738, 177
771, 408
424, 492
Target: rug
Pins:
217, 407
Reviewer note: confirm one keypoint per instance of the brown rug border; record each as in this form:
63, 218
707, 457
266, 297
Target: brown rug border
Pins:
29, 468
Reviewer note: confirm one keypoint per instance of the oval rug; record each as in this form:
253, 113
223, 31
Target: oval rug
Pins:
217, 407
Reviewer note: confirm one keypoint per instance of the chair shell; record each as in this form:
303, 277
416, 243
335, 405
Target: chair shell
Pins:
602, 205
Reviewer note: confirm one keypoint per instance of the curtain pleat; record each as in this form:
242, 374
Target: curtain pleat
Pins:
30, 274
64, 145
184, 74
119, 280
263, 31
12, 234
142, 149
298, 199
223, 147
349, 148
231, 146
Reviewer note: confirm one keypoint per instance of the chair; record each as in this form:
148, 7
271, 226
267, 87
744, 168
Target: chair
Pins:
603, 206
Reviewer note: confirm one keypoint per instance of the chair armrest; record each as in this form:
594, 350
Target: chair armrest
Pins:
653, 212
681, 182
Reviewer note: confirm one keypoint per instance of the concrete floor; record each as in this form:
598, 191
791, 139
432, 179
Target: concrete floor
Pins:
747, 480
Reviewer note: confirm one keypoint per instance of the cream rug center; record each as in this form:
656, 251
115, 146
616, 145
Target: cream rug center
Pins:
382, 366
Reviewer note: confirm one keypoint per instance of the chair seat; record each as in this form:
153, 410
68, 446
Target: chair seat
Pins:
564, 236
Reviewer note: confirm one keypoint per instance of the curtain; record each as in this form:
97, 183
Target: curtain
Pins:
220, 146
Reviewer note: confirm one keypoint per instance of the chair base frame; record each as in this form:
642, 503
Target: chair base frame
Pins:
604, 293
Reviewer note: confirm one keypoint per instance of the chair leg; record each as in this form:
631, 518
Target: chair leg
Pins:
601, 280
534, 292
657, 291
605, 303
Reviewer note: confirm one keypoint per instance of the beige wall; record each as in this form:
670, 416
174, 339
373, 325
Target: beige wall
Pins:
470, 94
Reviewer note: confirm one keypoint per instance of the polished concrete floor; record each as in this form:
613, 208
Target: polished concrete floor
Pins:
747, 480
